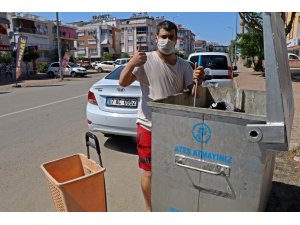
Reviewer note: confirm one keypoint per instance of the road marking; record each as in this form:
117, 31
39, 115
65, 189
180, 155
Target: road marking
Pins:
40, 106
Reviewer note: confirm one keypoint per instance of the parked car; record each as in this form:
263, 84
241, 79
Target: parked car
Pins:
105, 66
112, 109
121, 61
292, 56
93, 64
220, 67
85, 64
71, 69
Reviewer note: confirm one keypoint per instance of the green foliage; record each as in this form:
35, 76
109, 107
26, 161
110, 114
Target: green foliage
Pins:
5, 58
107, 56
124, 55
30, 55
82, 58
42, 67
251, 45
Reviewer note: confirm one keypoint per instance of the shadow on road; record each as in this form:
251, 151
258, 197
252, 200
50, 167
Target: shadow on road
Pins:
47, 85
4, 92
284, 198
122, 144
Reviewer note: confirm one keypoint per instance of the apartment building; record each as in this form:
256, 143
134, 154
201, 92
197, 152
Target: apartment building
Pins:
293, 38
200, 46
4, 37
98, 36
139, 29
35, 28
68, 37
96, 39
185, 40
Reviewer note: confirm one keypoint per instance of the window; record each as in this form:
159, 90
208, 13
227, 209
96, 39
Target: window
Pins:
92, 33
93, 51
92, 42
115, 75
141, 30
215, 62
81, 51
80, 42
130, 38
80, 33
129, 29
55, 65
130, 48
122, 48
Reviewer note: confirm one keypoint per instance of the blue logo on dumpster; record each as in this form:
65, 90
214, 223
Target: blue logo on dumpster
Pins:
201, 132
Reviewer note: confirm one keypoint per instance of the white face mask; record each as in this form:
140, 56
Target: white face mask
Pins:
166, 46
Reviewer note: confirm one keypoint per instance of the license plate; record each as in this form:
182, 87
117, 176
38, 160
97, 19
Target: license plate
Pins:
121, 102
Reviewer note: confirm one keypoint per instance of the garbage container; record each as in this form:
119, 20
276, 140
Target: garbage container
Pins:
76, 184
206, 159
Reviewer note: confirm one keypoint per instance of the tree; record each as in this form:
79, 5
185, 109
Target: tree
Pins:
29, 55
107, 56
124, 55
253, 21
252, 45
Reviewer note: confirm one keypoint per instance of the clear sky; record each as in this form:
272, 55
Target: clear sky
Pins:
217, 27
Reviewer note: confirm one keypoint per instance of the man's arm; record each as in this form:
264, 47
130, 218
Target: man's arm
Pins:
127, 77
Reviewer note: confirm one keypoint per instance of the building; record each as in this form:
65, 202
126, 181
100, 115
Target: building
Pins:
200, 46
293, 38
185, 40
96, 39
139, 30
36, 30
4, 36
68, 36
98, 36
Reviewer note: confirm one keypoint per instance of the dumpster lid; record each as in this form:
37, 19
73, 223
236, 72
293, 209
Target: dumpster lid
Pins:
279, 92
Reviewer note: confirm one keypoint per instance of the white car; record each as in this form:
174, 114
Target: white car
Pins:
121, 61
292, 56
219, 65
112, 109
71, 69
105, 66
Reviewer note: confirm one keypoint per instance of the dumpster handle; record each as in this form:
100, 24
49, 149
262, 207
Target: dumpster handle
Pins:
223, 169
94, 145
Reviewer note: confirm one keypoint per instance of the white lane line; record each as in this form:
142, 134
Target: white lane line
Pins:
40, 106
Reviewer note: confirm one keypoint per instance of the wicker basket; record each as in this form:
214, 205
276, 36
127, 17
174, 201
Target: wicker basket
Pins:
76, 184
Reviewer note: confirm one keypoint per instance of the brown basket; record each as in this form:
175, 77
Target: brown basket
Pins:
76, 184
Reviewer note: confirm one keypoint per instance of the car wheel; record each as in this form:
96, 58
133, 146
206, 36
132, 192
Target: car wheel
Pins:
73, 74
100, 70
51, 74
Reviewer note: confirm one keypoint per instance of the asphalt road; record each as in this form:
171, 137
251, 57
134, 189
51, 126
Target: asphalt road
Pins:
41, 123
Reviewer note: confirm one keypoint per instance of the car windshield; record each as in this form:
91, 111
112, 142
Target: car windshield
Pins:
214, 62
72, 64
115, 75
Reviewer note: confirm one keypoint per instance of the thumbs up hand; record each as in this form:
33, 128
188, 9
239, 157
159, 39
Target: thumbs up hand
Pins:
139, 58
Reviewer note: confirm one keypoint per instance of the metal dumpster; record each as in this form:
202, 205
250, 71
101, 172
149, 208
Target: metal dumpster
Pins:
205, 159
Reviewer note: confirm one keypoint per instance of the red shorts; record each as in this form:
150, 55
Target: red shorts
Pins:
144, 147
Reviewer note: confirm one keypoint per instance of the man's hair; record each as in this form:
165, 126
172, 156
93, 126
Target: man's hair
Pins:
167, 25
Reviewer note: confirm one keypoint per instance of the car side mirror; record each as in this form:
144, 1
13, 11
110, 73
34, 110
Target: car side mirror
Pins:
234, 68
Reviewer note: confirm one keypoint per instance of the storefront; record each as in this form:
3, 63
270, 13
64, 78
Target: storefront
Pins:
4, 39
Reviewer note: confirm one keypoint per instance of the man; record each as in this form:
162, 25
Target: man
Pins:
8, 72
160, 73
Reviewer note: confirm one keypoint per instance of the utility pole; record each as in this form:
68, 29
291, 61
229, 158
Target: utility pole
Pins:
58, 47
236, 18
